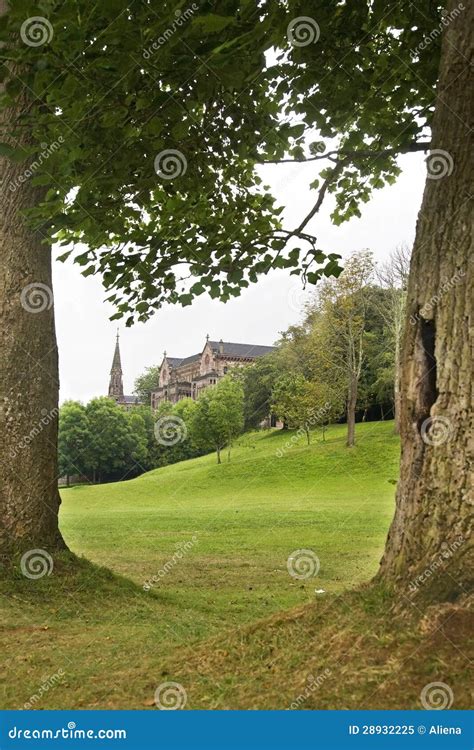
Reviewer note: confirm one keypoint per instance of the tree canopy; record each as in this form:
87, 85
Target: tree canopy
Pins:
144, 133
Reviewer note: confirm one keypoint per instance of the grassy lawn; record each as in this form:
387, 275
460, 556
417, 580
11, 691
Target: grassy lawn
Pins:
238, 523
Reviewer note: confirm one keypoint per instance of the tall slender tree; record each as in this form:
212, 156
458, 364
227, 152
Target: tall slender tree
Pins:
393, 275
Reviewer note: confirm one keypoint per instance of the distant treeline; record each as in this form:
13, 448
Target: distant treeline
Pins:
340, 363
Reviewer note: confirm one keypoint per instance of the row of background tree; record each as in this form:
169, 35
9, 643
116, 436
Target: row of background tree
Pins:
339, 364
101, 442
346, 351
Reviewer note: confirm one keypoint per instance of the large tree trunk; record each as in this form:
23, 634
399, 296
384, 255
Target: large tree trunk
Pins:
429, 540
29, 367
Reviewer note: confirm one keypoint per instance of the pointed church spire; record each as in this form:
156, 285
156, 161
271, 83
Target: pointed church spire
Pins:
116, 363
116, 381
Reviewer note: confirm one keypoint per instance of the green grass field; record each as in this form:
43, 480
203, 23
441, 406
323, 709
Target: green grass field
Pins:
224, 618
111, 638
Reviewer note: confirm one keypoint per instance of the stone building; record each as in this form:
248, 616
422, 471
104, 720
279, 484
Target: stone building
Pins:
187, 377
116, 382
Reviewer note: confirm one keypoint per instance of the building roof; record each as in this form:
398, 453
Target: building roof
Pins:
129, 399
179, 361
188, 360
231, 349
241, 350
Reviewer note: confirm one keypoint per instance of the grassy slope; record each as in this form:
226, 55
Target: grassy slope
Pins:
115, 642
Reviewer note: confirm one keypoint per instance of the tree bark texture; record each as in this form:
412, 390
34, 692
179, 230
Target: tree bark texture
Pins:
429, 547
29, 383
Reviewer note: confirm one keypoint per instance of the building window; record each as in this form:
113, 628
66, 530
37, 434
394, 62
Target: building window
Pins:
226, 370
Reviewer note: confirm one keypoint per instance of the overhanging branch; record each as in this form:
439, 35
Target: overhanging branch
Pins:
354, 154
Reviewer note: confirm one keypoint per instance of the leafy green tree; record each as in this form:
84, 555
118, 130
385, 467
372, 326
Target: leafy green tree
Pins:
344, 304
219, 416
393, 276
257, 381
113, 444
305, 404
73, 439
173, 432
152, 447
139, 453
146, 383
175, 194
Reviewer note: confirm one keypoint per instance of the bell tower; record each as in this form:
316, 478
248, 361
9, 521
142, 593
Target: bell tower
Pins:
116, 383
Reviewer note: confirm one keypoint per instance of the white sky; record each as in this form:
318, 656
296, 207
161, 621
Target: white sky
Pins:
86, 336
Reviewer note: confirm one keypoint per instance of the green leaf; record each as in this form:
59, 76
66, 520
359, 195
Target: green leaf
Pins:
212, 23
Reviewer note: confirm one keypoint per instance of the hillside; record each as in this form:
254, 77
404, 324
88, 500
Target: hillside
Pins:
234, 527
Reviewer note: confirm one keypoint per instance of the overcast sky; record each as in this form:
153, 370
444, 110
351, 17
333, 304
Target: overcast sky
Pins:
86, 336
